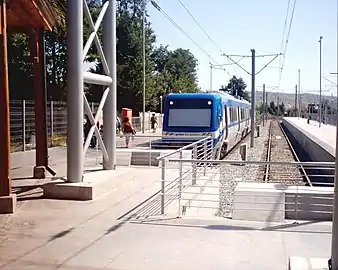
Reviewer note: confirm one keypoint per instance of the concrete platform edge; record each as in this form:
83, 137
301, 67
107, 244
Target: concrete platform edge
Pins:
316, 141
299, 263
8, 204
94, 185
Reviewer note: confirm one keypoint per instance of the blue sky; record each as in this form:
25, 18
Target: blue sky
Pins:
239, 25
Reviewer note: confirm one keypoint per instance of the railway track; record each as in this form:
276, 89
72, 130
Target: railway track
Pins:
279, 149
244, 140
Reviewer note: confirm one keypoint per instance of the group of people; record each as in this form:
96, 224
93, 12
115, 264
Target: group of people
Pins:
127, 129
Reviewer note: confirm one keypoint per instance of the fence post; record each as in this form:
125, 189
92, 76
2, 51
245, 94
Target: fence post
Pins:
149, 151
51, 120
23, 118
194, 165
93, 107
205, 156
180, 184
162, 186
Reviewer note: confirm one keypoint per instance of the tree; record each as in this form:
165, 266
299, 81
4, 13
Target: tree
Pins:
176, 69
165, 69
236, 87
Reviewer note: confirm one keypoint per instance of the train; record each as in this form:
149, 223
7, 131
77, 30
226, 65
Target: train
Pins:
217, 114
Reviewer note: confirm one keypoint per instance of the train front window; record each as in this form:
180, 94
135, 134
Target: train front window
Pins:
189, 118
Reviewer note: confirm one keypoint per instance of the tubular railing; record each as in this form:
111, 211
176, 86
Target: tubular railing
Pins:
145, 149
175, 178
237, 189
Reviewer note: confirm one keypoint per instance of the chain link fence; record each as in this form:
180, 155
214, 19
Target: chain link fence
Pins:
22, 123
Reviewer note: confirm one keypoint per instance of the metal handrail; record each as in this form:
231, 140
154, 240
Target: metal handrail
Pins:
150, 135
183, 148
237, 162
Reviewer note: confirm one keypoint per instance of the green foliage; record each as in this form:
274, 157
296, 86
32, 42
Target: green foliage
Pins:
165, 70
273, 109
236, 87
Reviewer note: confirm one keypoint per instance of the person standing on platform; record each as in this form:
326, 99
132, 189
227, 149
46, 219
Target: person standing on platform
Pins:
153, 121
128, 130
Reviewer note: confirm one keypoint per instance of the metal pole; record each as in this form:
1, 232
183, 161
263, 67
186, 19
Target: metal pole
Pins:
162, 185
144, 70
74, 97
210, 76
52, 119
320, 80
266, 106
252, 135
109, 110
5, 178
299, 97
296, 102
334, 241
23, 115
263, 104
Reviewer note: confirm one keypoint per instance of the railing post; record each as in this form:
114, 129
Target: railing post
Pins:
149, 161
162, 186
194, 165
180, 184
205, 156
296, 208
23, 117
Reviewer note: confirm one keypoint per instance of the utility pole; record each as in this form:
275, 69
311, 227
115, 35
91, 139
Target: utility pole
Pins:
263, 104
253, 76
320, 80
266, 106
253, 112
299, 96
296, 97
144, 69
277, 104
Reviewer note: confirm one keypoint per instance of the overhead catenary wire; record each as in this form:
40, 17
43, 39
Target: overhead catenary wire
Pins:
181, 30
284, 29
287, 40
202, 29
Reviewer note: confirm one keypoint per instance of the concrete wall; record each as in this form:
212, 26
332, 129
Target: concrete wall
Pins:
272, 202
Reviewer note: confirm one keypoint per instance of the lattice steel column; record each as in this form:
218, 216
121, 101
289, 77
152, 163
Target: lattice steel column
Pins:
75, 92
76, 97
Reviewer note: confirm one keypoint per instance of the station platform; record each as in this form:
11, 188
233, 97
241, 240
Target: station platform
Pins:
318, 142
123, 230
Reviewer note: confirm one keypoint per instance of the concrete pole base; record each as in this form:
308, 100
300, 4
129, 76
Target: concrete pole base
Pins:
39, 172
8, 204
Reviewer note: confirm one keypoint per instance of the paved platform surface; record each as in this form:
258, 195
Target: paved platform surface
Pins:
325, 135
124, 230
22, 163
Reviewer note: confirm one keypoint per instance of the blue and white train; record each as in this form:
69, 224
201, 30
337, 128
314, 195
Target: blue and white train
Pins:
214, 113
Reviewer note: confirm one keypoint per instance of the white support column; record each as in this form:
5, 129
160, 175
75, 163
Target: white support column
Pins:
75, 98
109, 110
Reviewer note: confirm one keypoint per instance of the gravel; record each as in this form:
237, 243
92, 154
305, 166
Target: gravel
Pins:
230, 175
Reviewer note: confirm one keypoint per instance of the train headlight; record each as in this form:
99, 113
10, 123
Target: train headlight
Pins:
171, 103
209, 102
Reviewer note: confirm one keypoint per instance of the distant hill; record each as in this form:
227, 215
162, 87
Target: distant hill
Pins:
289, 99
